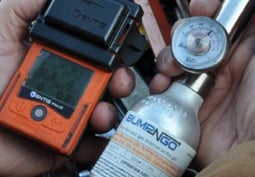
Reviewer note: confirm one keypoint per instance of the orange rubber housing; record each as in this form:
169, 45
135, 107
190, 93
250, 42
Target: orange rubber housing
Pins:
54, 131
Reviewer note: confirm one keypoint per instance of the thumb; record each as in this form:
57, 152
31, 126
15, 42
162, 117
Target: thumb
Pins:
204, 7
16, 16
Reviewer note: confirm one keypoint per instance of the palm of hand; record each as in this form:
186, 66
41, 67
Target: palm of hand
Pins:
227, 115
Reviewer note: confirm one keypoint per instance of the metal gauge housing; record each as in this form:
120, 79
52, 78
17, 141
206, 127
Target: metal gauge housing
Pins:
199, 44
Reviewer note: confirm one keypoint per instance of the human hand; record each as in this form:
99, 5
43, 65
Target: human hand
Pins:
19, 156
227, 115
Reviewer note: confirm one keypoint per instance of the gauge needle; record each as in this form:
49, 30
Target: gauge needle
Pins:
209, 32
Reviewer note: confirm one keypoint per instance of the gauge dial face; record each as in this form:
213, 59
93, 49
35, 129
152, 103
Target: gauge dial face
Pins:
199, 44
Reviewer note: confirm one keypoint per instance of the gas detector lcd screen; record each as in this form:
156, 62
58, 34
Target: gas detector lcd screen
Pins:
58, 78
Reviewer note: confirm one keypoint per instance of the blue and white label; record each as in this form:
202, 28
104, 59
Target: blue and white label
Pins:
141, 148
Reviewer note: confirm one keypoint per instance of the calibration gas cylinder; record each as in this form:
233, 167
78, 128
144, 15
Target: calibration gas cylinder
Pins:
160, 135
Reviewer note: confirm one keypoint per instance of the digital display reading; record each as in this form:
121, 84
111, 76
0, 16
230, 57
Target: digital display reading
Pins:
58, 79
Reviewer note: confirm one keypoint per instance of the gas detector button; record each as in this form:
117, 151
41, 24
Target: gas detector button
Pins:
38, 113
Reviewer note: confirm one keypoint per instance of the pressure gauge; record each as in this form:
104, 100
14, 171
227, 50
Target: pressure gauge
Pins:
199, 44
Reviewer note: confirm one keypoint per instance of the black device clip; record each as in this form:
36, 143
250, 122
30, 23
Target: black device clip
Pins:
103, 32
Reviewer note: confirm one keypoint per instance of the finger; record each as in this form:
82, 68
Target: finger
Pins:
204, 7
103, 117
159, 83
122, 82
166, 64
